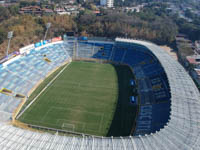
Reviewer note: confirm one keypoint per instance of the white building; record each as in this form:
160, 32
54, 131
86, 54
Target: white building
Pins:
108, 3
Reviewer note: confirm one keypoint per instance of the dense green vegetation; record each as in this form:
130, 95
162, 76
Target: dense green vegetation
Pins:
153, 23
84, 98
29, 29
136, 25
192, 29
184, 49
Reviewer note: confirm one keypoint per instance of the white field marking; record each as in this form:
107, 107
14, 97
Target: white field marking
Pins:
88, 88
38, 122
83, 127
91, 130
43, 118
32, 121
68, 126
63, 121
43, 90
71, 121
100, 125
99, 115
90, 85
76, 110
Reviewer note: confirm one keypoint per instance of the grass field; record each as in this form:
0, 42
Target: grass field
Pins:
85, 98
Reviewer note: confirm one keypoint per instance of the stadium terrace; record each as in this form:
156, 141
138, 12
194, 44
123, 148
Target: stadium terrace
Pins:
168, 101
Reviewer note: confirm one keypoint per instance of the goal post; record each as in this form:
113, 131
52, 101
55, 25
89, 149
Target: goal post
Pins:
68, 127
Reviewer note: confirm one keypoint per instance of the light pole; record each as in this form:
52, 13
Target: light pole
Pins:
48, 25
10, 35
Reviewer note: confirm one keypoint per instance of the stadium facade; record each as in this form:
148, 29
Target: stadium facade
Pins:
169, 116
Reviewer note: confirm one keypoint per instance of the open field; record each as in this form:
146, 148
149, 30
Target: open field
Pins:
83, 99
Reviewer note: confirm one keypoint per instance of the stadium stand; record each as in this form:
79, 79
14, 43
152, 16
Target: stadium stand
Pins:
153, 86
94, 49
169, 104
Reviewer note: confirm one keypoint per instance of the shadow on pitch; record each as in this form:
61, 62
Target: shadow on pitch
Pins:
124, 117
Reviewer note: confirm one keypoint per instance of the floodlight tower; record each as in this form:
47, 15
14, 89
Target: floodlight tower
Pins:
48, 25
126, 35
10, 35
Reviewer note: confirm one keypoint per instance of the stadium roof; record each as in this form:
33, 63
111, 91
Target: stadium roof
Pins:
185, 106
181, 132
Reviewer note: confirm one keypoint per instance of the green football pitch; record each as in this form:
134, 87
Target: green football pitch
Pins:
85, 98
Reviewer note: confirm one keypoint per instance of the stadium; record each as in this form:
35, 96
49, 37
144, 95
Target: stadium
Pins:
157, 100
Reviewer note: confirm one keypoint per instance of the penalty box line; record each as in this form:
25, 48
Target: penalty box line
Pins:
43, 90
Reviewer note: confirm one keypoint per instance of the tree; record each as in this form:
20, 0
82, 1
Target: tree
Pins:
14, 9
189, 14
27, 3
2, 35
5, 14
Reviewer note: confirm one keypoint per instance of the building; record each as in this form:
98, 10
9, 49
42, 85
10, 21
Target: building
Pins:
61, 11
193, 63
194, 60
2, 2
37, 10
110, 3
107, 3
197, 46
